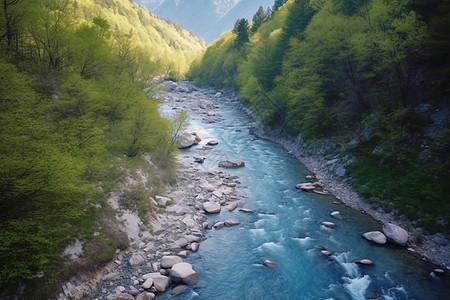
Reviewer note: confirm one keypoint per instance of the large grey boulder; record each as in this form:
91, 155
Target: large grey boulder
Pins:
232, 163
169, 260
375, 236
211, 207
180, 243
160, 282
185, 140
232, 222
184, 273
395, 234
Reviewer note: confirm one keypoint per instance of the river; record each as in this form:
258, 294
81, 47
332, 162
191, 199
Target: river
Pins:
285, 228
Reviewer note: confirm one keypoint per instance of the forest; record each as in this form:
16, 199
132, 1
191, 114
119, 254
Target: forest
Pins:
76, 111
368, 76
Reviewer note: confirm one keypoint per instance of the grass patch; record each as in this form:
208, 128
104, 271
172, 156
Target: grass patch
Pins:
137, 199
415, 190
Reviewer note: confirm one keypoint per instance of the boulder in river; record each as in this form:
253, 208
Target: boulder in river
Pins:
212, 142
395, 234
307, 186
232, 163
232, 222
184, 273
336, 214
310, 177
328, 224
211, 207
268, 263
185, 140
199, 160
231, 206
439, 272
365, 261
194, 246
219, 224
375, 236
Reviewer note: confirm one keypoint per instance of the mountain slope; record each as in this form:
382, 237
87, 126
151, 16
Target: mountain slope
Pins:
75, 120
169, 43
208, 19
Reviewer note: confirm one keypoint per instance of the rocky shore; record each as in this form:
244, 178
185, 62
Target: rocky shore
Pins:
147, 267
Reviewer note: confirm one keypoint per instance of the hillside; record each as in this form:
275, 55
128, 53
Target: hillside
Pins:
364, 83
169, 44
208, 19
76, 123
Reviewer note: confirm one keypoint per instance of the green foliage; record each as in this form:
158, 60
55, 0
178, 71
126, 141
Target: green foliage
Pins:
241, 29
328, 69
137, 199
413, 190
72, 100
258, 19
219, 64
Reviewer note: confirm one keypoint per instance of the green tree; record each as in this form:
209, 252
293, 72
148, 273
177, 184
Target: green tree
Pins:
241, 28
258, 19
51, 34
277, 4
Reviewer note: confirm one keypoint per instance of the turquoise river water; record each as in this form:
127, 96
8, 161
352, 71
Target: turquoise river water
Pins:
285, 228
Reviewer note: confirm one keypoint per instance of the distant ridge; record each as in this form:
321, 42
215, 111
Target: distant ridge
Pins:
205, 18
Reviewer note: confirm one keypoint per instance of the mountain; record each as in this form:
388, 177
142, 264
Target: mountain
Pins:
205, 18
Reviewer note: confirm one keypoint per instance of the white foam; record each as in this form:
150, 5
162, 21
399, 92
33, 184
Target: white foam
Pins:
397, 292
357, 287
303, 241
260, 223
259, 234
350, 268
271, 246
334, 240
